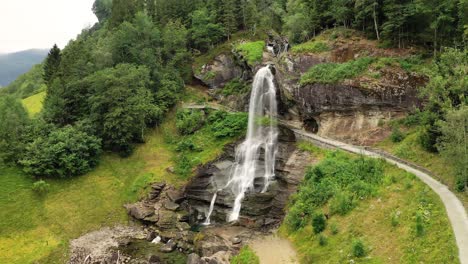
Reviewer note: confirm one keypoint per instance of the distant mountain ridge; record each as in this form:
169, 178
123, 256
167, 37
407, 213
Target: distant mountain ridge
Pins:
14, 64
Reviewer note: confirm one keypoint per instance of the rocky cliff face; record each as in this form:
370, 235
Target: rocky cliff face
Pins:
352, 110
224, 68
258, 209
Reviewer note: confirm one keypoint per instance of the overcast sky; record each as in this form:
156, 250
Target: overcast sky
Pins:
31, 24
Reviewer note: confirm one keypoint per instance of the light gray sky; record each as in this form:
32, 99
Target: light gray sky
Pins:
28, 24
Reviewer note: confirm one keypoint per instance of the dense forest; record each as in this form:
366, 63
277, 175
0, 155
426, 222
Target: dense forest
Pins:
122, 75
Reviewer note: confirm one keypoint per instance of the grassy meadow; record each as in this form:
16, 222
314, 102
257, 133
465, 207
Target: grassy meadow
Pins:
33, 104
35, 229
385, 224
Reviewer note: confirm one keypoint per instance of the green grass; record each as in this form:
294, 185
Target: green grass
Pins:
225, 48
384, 222
245, 256
330, 73
310, 47
252, 51
38, 229
33, 104
410, 149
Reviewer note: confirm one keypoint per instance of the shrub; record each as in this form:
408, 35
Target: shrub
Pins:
342, 203
187, 144
189, 121
397, 135
395, 219
41, 187
322, 240
65, 152
225, 124
319, 223
334, 229
329, 73
299, 215
419, 225
311, 47
235, 86
358, 249
245, 256
252, 51
184, 165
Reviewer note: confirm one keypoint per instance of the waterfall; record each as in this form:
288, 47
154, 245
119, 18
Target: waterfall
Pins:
210, 211
262, 133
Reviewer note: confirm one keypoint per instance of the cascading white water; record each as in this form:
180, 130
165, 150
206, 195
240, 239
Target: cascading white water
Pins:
210, 211
262, 133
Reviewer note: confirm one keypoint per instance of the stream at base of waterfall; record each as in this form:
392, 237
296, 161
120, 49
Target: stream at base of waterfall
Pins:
262, 134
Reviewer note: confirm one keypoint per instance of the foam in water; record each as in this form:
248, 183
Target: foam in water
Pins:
262, 133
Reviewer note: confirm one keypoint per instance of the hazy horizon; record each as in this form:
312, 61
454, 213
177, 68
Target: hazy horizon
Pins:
34, 24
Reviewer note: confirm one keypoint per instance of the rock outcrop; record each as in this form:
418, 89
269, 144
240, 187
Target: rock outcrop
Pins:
259, 210
354, 108
224, 68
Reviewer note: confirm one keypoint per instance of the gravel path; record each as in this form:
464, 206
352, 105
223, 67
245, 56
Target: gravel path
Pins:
455, 210
274, 250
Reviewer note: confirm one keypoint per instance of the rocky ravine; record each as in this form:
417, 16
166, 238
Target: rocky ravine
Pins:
171, 218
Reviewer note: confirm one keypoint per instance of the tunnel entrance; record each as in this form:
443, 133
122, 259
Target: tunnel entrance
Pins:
311, 125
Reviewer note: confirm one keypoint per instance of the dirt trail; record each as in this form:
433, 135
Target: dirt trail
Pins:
273, 249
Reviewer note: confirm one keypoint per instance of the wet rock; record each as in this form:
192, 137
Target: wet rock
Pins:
220, 257
154, 260
169, 246
167, 219
142, 211
168, 235
194, 259
183, 226
212, 244
175, 196
156, 190
151, 236
236, 240
183, 216
169, 205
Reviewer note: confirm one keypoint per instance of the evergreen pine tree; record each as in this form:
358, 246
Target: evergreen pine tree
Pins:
51, 64
229, 17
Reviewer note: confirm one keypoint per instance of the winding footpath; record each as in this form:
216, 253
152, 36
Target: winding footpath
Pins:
455, 210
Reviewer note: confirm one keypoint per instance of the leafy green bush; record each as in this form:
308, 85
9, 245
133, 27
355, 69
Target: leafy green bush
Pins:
311, 47
252, 51
235, 86
189, 121
395, 219
245, 256
342, 203
337, 179
329, 73
419, 224
65, 152
41, 187
184, 165
358, 248
225, 124
322, 240
334, 228
187, 144
397, 135
319, 223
